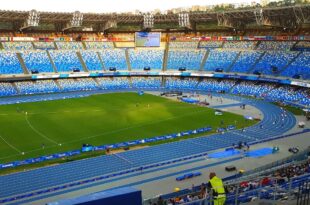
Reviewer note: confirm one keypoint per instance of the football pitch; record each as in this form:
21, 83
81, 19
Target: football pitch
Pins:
34, 129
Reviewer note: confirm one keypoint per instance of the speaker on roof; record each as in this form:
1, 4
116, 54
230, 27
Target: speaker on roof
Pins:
112, 69
34, 71
76, 70
297, 76
274, 69
257, 72
147, 68
182, 69
219, 70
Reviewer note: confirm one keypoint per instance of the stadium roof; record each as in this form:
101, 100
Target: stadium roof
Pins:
104, 6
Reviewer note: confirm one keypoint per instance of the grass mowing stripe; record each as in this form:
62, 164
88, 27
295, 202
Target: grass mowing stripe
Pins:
135, 126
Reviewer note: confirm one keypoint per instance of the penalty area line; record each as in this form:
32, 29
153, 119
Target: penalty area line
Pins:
13, 147
38, 132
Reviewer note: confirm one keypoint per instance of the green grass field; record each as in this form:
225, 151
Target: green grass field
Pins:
97, 120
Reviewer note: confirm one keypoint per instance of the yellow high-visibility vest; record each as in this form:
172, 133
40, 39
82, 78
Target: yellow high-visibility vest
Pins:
217, 186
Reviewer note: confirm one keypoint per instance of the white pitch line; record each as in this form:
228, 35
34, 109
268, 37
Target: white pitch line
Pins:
13, 147
38, 132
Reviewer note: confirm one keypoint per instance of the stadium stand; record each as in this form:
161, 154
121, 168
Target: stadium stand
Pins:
210, 44
91, 60
44, 45
17, 45
146, 83
98, 45
220, 59
7, 89
245, 61
300, 66
178, 84
37, 87
274, 60
65, 61
276, 45
184, 45
303, 44
214, 85
78, 84
246, 45
250, 88
288, 94
114, 83
189, 59
114, 58
37, 60
69, 45
9, 63
141, 58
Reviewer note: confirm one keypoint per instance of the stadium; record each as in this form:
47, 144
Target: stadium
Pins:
193, 105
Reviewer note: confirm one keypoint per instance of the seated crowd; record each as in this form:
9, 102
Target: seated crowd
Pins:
184, 45
210, 44
246, 190
244, 45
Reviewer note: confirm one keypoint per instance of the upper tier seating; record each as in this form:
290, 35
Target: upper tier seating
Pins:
69, 45
146, 83
300, 66
140, 58
98, 45
44, 45
37, 60
184, 45
210, 44
278, 59
214, 85
249, 45
65, 61
187, 83
114, 83
303, 44
78, 84
9, 63
92, 61
245, 61
17, 45
190, 59
7, 89
114, 58
36, 87
275, 45
220, 59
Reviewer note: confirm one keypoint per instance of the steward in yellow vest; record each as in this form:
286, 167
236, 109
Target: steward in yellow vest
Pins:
218, 189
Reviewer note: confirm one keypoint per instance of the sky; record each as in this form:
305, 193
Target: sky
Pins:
104, 6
